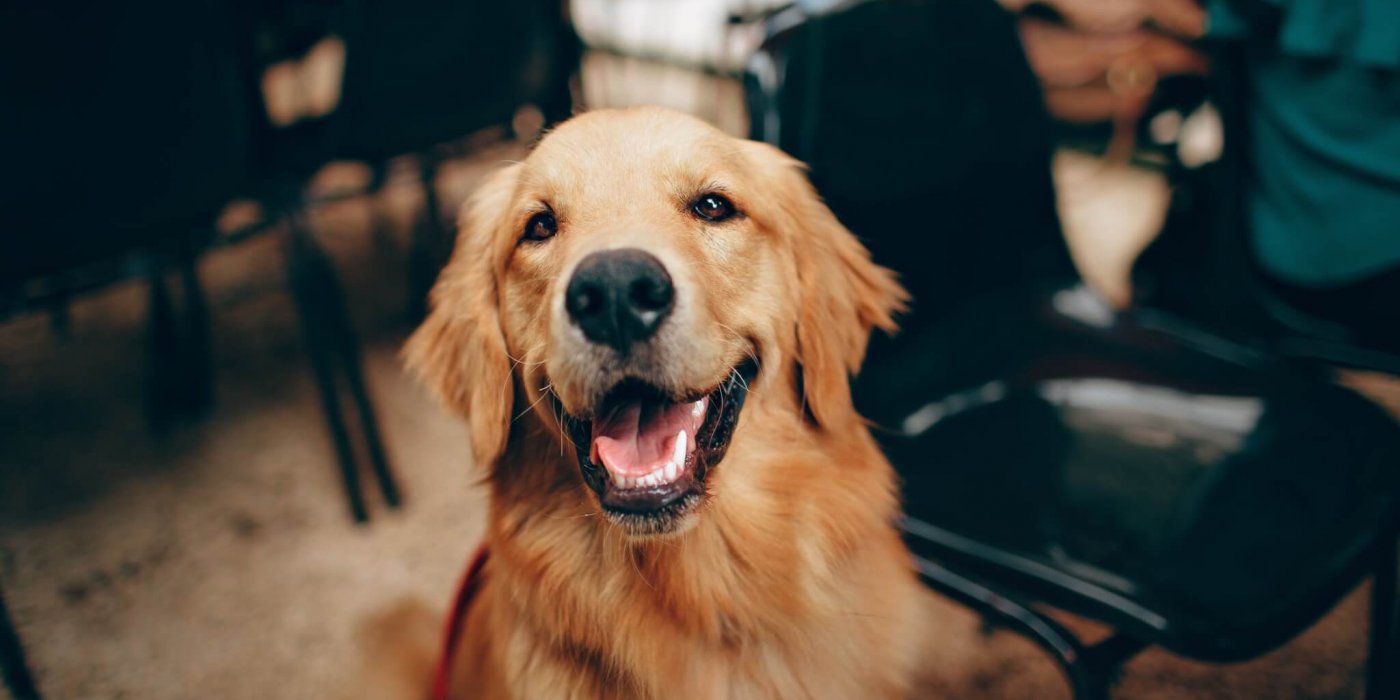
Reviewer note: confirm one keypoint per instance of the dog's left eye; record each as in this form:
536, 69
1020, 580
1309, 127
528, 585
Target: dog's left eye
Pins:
540, 227
712, 207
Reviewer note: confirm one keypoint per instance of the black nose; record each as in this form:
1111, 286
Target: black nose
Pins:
619, 297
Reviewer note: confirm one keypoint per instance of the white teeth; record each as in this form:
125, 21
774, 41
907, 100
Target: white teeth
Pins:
697, 409
678, 455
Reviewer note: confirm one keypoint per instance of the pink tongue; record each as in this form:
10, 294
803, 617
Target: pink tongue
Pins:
639, 436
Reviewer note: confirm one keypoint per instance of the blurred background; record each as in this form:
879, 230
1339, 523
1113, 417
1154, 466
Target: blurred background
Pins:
1164, 235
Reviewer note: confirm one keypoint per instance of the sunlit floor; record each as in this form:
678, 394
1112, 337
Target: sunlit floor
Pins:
217, 560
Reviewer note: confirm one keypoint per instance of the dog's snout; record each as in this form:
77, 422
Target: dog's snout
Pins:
619, 297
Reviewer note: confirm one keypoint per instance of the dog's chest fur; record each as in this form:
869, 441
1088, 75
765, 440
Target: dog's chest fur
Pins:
768, 596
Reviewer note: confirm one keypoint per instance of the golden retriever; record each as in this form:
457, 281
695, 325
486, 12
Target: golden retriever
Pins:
650, 328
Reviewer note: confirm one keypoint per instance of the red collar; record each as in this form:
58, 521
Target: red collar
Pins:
452, 635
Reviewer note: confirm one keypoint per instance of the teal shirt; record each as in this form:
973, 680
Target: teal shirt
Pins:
1324, 202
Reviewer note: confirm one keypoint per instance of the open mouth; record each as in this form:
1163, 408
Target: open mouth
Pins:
646, 454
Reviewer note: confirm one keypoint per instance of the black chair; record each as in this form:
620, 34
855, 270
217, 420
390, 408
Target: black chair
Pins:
125, 133
418, 76
1193, 492
422, 73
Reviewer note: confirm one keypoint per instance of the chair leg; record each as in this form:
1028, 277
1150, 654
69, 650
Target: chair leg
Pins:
315, 291
162, 351
431, 244
381, 229
180, 365
353, 369
1104, 661
198, 365
378, 462
1381, 664
1090, 672
12, 662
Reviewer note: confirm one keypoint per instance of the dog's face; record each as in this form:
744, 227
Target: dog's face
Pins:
629, 282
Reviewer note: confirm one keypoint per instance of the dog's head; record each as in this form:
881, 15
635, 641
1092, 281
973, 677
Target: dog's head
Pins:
628, 287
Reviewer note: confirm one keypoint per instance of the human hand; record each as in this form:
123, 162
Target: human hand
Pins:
1104, 60
1182, 18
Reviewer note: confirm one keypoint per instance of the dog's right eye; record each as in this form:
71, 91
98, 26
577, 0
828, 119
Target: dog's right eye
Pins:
713, 208
540, 227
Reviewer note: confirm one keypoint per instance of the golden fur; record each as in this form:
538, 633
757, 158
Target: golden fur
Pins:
790, 580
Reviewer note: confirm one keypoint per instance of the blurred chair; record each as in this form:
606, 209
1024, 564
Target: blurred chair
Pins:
421, 73
923, 146
1192, 492
125, 134
418, 76
133, 127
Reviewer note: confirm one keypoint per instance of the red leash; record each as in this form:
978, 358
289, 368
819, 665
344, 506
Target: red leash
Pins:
452, 636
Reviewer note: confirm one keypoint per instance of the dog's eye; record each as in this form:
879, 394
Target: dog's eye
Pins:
712, 207
540, 227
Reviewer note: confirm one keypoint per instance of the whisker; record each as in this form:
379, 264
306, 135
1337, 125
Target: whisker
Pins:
576, 517
543, 393
519, 361
559, 421
732, 332
741, 379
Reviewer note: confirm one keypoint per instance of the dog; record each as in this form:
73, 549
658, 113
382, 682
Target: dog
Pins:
650, 328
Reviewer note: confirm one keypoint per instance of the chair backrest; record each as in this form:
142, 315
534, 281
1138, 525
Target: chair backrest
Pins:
120, 119
421, 72
925, 131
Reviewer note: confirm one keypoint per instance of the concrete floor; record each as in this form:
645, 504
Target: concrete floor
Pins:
217, 559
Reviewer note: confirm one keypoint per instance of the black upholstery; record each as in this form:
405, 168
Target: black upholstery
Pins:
124, 124
423, 72
942, 171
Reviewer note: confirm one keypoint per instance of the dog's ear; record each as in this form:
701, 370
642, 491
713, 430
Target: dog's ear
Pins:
843, 295
459, 352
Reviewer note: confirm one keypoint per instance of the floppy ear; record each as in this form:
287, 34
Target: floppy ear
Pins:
459, 352
843, 295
